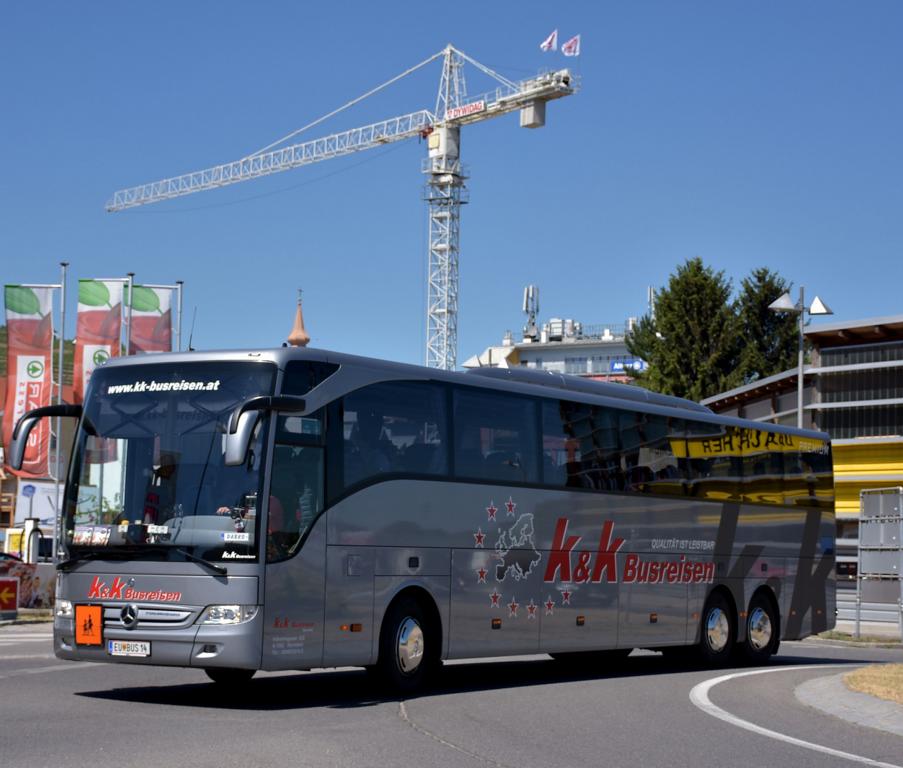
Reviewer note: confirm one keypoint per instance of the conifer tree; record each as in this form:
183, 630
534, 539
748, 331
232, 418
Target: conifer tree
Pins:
692, 347
769, 339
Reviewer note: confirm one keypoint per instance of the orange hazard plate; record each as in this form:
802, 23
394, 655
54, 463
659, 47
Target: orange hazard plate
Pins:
88, 625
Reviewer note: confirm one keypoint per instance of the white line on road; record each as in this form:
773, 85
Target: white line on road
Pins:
54, 668
700, 697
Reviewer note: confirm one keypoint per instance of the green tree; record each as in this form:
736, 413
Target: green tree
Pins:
692, 347
769, 339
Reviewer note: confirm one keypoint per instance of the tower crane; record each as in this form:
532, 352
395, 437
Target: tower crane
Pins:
445, 189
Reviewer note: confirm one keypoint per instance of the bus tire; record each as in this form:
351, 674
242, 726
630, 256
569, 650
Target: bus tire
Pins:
408, 647
718, 631
762, 630
229, 677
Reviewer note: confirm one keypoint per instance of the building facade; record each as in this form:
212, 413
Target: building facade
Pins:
566, 346
854, 392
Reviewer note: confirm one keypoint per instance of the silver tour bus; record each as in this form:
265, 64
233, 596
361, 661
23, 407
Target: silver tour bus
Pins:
295, 509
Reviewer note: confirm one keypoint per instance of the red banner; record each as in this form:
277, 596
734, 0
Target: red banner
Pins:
151, 321
29, 326
98, 329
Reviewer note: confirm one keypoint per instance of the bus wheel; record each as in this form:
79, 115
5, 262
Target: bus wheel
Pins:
761, 630
408, 651
718, 631
229, 677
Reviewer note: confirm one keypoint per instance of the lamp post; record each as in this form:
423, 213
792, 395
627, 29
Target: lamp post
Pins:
818, 307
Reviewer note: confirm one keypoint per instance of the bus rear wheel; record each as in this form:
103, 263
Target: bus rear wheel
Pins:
228, 677
408, 647
719, 631
762, 630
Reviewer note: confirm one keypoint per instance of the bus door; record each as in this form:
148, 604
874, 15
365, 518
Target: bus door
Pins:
295, 548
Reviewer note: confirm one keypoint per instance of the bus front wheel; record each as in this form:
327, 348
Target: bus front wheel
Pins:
408, 651
229, 677
718, 631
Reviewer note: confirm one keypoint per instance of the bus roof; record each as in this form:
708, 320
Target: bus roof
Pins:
525, 381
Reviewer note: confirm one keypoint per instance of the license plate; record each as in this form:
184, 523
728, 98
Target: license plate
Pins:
128, 648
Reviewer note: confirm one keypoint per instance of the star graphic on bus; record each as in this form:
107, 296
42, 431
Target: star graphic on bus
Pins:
550, 606
531, 609
512, 608
481, 576
491, 510
494, 596
478, 538
510, 506
566, 597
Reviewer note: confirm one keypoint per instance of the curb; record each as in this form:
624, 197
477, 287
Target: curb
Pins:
853, 643
831, 695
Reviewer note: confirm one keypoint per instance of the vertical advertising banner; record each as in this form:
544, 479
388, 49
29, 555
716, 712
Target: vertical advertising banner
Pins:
98, 329
151, 310
29, 326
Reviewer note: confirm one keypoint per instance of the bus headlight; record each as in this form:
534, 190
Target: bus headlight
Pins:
64, 608
227, 614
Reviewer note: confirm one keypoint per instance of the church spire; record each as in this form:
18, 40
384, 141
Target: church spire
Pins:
299, 336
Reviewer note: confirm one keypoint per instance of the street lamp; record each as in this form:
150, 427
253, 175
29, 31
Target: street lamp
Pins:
818, 307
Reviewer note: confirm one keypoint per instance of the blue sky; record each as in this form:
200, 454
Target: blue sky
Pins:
748, 133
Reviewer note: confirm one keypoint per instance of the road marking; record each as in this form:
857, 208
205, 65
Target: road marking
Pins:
700, 697
56, 668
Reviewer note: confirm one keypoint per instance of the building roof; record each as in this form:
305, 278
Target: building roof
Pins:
849, 333
868, 331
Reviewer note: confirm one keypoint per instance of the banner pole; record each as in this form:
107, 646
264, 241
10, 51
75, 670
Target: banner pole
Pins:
179, 284
59, 399
128, 327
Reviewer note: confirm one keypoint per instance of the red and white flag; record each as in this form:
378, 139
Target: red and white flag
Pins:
151, 329
571, 47
550, 43
98, 329
29, 327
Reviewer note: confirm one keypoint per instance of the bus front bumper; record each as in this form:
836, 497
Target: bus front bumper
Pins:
236, 646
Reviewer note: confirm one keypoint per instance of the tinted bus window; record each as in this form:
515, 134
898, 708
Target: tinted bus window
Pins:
495, 437
561, 455
301, 376
394, 428
808, 479
713, 462
590, 435
763, 465
648, 443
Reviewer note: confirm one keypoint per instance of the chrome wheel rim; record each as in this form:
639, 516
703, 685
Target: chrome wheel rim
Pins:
409, 646
759, 629
717, 630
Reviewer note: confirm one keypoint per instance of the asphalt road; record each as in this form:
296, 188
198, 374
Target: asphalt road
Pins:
511, 712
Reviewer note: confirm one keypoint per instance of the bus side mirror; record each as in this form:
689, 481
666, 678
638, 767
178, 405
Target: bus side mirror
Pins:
28, 422
244, 419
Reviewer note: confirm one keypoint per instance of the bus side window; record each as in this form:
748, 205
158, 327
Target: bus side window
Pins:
495, 437
394, 428
560, 446
296, 497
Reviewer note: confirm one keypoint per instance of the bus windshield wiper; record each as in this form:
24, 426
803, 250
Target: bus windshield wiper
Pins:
94, 554
220, 569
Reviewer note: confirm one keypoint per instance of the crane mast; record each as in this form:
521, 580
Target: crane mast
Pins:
445, 191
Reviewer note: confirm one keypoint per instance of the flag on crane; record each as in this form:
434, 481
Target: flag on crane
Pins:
550, 43
571, 47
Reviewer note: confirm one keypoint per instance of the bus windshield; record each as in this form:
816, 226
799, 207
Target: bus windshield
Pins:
148, 473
